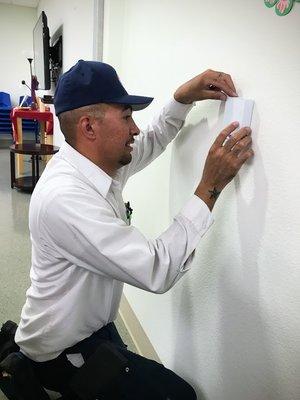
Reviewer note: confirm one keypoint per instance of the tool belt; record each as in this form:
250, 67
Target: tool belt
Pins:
18, 381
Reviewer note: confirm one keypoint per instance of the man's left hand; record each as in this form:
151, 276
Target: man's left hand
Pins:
208, 85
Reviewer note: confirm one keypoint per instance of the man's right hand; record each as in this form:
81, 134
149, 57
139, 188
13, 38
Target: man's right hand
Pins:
223, 162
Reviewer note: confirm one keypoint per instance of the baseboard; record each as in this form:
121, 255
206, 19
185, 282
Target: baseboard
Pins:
136, 331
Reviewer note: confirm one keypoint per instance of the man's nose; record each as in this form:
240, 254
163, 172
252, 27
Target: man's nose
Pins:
135, 129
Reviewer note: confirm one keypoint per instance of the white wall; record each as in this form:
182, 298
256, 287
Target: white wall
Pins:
16, 26
231, 326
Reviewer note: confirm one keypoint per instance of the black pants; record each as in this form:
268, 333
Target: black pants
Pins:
146, 380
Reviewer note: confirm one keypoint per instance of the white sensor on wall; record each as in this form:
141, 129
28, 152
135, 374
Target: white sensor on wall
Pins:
238, 109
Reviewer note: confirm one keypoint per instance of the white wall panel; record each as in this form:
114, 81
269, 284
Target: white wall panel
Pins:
231, 326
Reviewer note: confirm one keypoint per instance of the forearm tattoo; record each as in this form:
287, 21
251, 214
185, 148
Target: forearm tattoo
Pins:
214, 194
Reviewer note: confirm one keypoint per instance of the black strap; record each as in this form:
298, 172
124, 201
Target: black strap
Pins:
22, 378
7, 339
99, 373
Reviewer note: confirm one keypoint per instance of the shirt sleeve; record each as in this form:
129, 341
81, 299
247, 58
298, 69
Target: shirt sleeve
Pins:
152, 141
88, 234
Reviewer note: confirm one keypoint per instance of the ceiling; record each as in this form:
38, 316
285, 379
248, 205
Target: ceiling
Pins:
26, 3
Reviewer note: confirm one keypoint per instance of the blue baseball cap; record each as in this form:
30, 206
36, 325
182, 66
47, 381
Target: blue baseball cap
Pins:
93, 82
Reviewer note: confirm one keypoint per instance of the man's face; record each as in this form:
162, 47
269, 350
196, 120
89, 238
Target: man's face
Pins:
115, 135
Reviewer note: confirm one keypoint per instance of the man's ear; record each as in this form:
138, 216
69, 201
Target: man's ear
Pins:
86, 127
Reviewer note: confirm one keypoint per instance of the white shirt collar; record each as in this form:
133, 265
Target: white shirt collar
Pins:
86, 167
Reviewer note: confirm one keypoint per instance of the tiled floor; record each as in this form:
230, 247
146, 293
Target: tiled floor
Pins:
15, 247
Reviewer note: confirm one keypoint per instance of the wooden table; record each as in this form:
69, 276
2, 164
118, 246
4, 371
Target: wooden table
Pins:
35, 150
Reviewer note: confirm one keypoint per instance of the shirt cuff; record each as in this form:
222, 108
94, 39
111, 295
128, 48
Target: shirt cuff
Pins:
198, 213
178, 110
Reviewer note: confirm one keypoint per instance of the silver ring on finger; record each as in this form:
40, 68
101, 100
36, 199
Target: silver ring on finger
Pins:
229, 146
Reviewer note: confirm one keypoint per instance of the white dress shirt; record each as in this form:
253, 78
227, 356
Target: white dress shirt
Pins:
83, 248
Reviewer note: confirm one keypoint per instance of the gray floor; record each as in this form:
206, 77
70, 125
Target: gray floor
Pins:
15, 247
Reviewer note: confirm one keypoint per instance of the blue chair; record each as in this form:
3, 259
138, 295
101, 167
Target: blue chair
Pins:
5, 108
5, 102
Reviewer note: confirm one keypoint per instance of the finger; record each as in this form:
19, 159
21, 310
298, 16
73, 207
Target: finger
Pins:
213, 95
212, 87
223, 85
247, 148
237, 136
241, 146
245, 156
229, 82
224, 133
